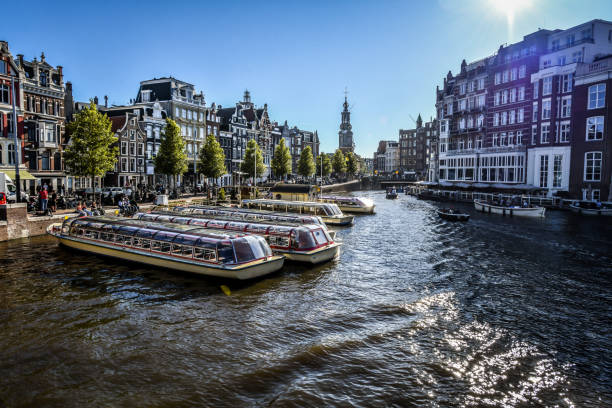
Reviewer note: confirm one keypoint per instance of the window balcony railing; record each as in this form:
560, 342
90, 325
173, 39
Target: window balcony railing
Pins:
572, 44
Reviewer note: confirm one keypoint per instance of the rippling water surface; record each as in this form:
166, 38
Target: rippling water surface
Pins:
417, 312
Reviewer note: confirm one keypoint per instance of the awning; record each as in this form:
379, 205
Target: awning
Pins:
23, 174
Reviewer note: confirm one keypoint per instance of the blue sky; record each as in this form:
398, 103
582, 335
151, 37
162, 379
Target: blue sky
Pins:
296, 56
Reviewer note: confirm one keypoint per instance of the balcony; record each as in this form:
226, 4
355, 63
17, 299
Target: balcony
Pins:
485, 150
598, 66
572, 44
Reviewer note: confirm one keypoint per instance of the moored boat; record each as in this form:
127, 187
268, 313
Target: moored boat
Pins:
329, 213
512, 211
359, 205
452, 215
305, 243
189, 249
591, 208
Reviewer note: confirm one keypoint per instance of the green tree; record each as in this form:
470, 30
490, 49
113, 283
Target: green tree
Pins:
339, 162
171, 158
253, 155
352, 165
327, 166
281, 162
93, 146
212, 159
306, 166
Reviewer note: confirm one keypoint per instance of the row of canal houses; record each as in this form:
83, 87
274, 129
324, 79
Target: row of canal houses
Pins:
534, 114
44, 103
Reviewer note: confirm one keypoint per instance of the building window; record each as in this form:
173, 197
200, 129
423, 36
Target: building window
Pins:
481, 83
545, 133
534, 134
545, 108
597, 95
594, 128
505, 97
513, 74
564, 131
11, 153
544, 171
45, 161
497, 98
592, 166
4, 94
505, 76
497, 78
140, 149
521, 115
547, 86
519, 137
566, 83
566, 106
522, 71
494, 139
513, 95
132, 148
2, 67
462, 89
536, 86
557, 174
535, 112
521, 93
577, 56
146, 96
177, 112
132, 165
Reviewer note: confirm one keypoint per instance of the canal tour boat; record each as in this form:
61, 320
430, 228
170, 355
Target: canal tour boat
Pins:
591, 208
252, 216
304, 243
241, 214
184, 248
329, 213
359, 205
512, 211
450, 214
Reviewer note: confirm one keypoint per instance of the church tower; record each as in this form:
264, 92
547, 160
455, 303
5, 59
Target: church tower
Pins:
345, 135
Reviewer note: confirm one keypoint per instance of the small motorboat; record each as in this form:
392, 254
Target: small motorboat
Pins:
391, 194
452, 215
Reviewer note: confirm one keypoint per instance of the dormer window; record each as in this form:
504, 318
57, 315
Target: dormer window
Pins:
43, 78
146, 96
2, 67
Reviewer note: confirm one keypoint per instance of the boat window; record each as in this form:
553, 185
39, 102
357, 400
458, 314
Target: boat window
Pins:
165, 247
104, 236
128, 230
177, 249
225, 252
187, 251
278, 241
244, 251
319, 237
136, 242
305, 239
146, 244
186, 239
145, 233
165, 236
156, 246
205, 254
119, 239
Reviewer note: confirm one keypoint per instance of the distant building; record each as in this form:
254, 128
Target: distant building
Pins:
345, 135
386, 157
415, 147
132, 138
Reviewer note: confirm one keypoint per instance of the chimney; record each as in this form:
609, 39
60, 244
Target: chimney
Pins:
106, 101
60, 72
42, 57
96, 100
20, 59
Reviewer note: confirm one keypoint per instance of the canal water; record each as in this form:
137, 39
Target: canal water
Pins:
417, 312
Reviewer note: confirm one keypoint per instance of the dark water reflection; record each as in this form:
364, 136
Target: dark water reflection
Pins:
418, 312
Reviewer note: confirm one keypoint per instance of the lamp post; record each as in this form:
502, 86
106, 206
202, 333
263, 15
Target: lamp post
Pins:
17, 145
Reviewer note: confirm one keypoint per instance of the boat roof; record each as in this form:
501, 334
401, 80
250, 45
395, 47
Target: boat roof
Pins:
286, 217
146, 229
288, 203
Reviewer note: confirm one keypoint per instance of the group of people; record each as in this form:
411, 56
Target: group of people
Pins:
82, 209
47, 200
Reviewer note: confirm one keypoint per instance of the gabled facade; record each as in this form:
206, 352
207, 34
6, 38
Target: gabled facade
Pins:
130, 169
9, 69
44, 121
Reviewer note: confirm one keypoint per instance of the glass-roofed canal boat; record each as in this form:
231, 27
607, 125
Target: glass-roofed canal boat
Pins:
329, 213
304, 243
227, 254
360, 205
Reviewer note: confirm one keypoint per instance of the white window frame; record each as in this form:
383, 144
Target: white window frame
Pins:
594, 121
596, 90
586, 154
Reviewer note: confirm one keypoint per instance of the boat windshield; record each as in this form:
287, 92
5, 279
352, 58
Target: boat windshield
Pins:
251, 247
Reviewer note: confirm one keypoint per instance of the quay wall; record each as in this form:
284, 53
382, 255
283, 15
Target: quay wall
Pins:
15, 222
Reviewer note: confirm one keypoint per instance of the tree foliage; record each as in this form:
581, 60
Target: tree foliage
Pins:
339, 162
306, 166
212, 159
93, 146
327, 165
281, 162
171, 158
352, 164
252, 155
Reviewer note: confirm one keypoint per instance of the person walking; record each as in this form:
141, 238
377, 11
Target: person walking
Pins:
53, 201
43, 197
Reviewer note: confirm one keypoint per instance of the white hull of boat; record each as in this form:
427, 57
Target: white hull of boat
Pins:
315, 256
535, 212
